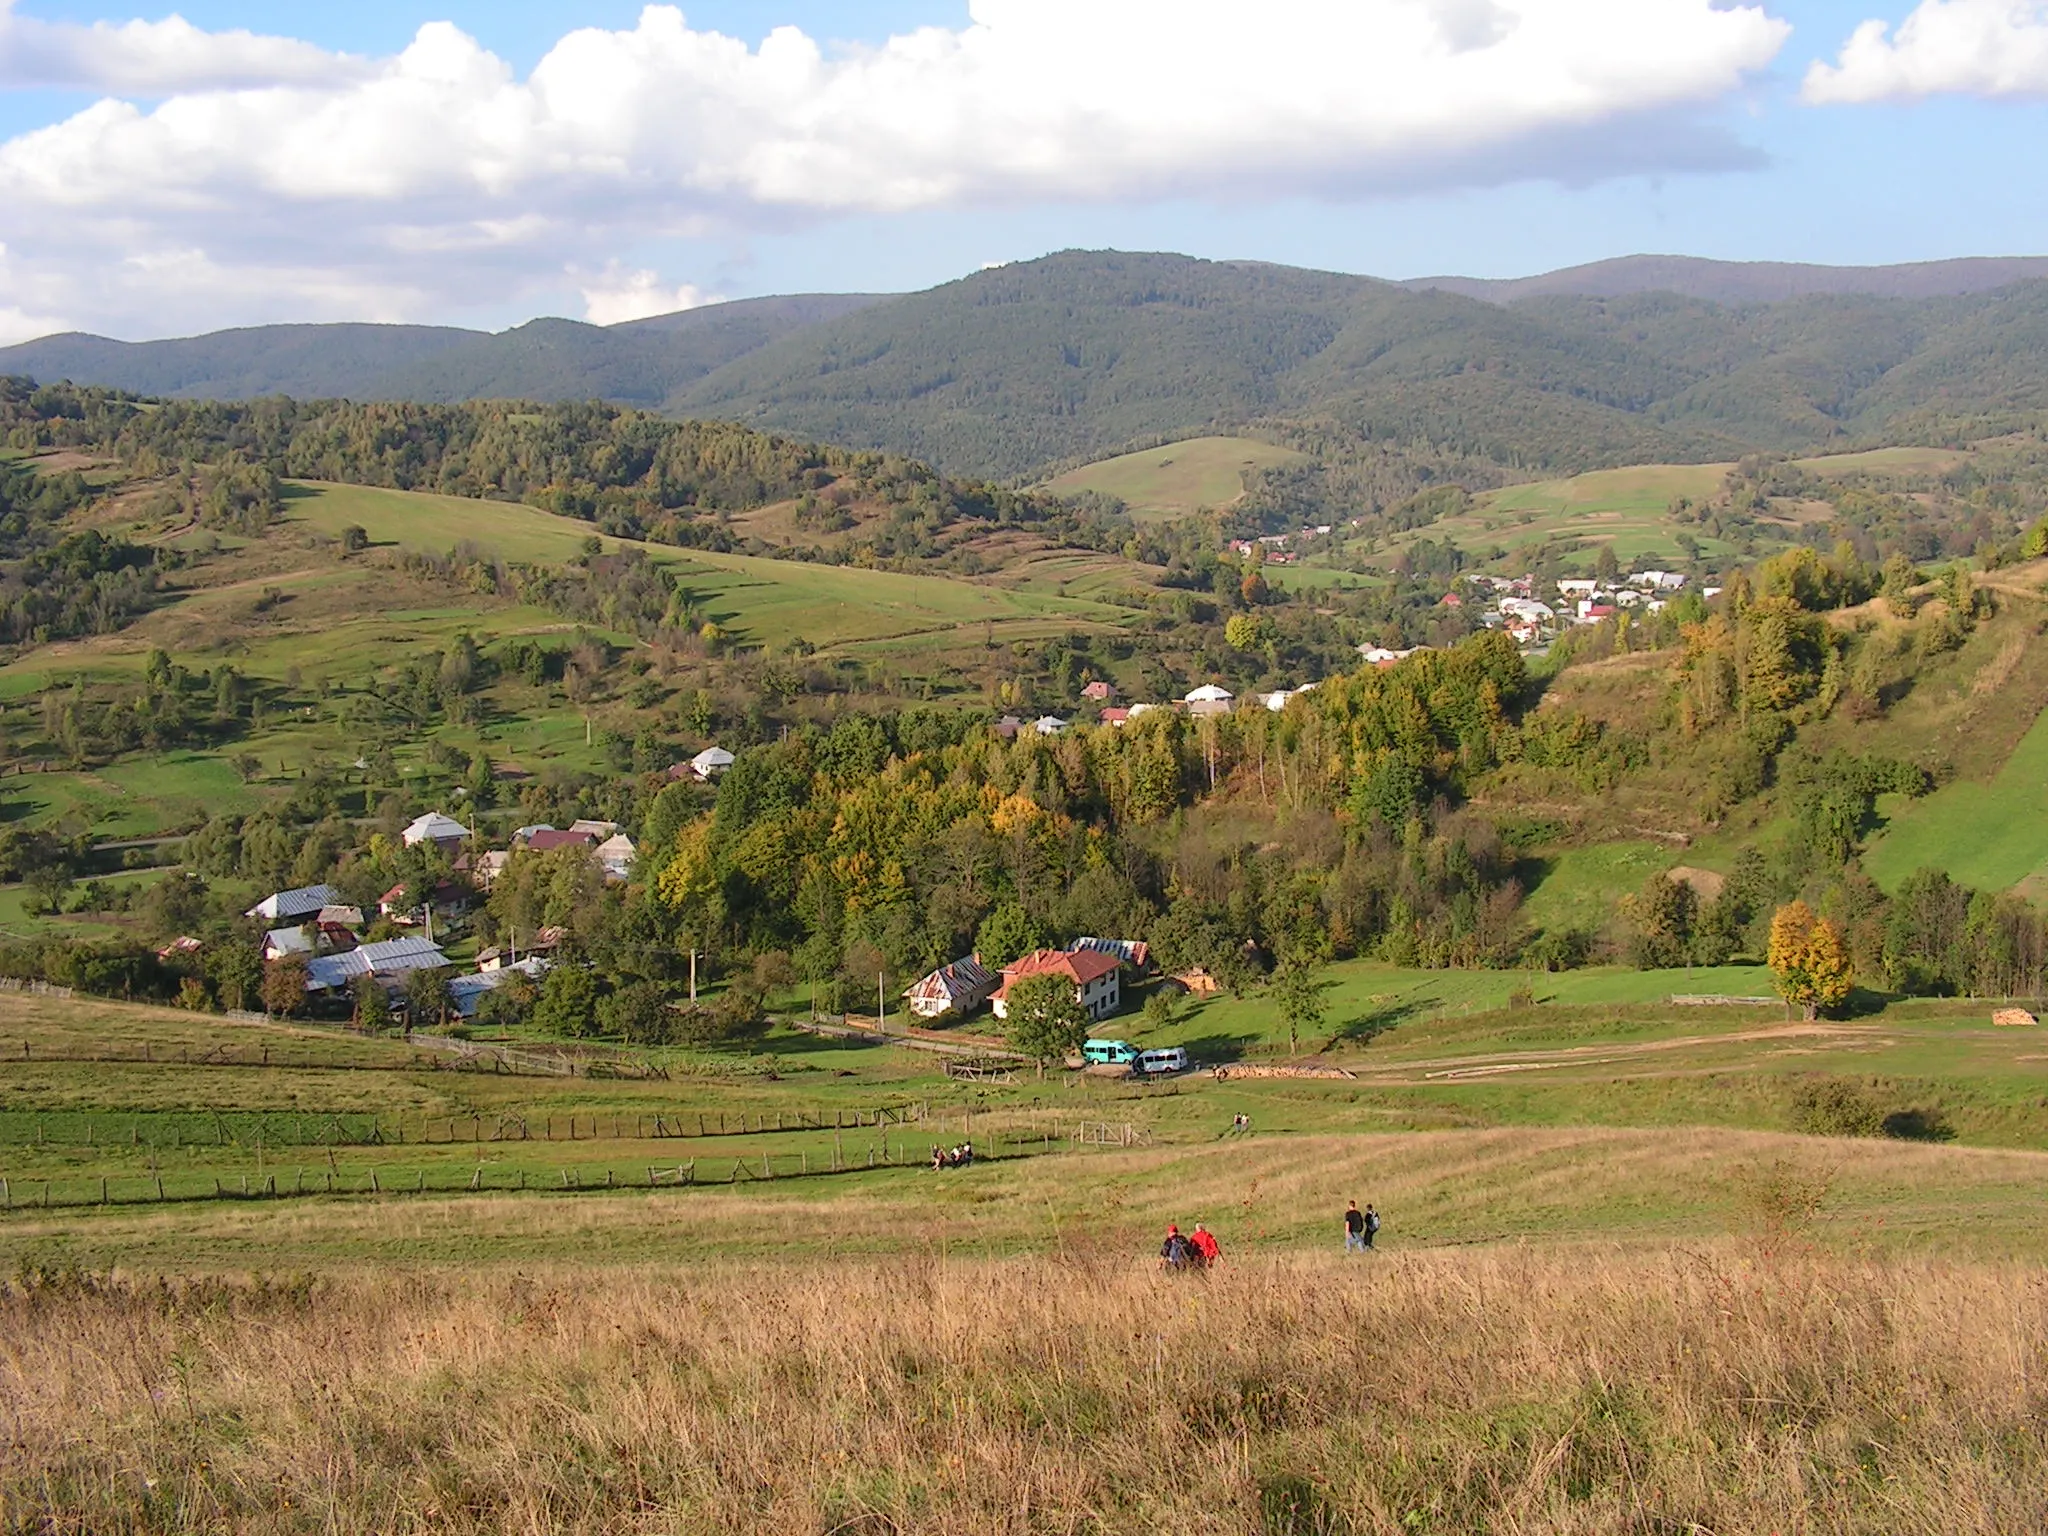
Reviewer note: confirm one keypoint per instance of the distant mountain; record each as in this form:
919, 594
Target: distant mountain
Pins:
1748, 282
1082, 354
638, 363
346, 360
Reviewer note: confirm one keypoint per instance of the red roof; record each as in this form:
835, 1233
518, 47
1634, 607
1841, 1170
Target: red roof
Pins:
547, 842
1081, 968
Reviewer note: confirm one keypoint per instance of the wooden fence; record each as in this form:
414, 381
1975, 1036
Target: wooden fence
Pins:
176, 1130
157, 1188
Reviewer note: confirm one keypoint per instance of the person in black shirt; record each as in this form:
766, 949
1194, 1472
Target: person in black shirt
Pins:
1355, 1240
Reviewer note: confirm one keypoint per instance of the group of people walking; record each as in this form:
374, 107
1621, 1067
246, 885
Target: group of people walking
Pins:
1200, 1250
961, 1156
1360, 1227
1189, 1250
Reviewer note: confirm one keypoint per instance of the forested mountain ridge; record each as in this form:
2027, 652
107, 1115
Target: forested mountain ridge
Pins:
639, 362
1747, 282
1010, 372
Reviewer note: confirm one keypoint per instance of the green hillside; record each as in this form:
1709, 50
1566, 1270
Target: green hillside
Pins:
1075, 356
1192, 475
1991, 834
758, 601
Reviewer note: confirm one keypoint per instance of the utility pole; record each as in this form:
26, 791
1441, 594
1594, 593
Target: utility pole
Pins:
881, 1004
693, 973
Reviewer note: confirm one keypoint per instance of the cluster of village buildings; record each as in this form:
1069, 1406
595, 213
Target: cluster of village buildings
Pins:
1206, 700
1511, 603
1095, 968
1273, 548
318, 923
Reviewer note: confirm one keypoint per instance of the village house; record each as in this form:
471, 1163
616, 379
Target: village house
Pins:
1048, 725
389, 959
318, 937
548, 839
485, 868
1135, 953
1114, 715
305, 902
445, 832
467, 993
1008, 727
543, 943
617, 853
710, 763
1099, 692
1381, 656
1209, 700
957, 989
1096, 978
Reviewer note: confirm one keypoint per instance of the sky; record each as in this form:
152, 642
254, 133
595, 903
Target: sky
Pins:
231, 162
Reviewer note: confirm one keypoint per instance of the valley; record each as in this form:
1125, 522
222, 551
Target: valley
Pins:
536, 880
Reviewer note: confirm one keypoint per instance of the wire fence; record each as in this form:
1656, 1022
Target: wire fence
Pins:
178, 1130
75, 1192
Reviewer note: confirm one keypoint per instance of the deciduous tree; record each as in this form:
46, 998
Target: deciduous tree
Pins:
1046, 1021
1810, 959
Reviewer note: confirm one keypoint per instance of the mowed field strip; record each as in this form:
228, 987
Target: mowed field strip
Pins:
1990, 835
765, 601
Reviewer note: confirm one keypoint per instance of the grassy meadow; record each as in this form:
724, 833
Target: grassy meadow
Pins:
1202, 473
761, 601
1990, 834
1732, 1390
1614, 1290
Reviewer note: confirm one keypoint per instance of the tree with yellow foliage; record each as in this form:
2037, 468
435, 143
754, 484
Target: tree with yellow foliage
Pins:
1809, 959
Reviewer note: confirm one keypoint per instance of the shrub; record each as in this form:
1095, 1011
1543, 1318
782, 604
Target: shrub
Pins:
1832, 1106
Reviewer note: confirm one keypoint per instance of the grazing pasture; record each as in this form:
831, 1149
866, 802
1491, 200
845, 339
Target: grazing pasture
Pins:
1197, 474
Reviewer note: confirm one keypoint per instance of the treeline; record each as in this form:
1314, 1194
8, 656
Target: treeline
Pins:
632, 474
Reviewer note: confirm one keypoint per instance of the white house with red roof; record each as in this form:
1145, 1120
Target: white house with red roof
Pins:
1097, 978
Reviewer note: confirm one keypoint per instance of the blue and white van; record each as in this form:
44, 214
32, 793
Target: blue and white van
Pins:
1109, 1053
1172, 1058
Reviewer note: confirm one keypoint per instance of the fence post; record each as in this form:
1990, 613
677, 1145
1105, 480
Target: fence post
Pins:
6, 1195
103, 1191
159, 1186
375, 1187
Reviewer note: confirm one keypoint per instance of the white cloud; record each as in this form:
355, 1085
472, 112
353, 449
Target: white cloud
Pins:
616, 296
1976, 47
439, 177
153, 58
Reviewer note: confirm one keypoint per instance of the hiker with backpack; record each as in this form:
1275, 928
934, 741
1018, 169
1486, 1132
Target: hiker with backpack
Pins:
1372, 1225
1177, 1252
1207, 1249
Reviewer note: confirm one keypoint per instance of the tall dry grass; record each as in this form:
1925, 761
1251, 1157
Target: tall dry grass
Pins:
1511, 1390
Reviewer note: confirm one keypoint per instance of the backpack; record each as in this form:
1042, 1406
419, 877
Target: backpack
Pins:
1372, 1222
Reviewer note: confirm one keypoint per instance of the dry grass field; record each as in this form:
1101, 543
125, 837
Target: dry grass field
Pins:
1724, 1389
1568, 1328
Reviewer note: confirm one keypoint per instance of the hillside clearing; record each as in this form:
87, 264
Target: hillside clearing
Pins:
1201, 473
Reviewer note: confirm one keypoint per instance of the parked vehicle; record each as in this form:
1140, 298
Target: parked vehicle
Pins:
1167, 1059
1109, 1053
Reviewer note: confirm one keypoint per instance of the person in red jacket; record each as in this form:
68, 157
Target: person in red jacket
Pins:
1205, 1244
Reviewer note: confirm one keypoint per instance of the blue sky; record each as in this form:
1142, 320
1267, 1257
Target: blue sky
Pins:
194, 205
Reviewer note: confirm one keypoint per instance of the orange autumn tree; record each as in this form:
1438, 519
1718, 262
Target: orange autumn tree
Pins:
1809, 959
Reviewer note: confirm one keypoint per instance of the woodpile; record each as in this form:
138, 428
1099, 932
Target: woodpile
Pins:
2013, 1018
